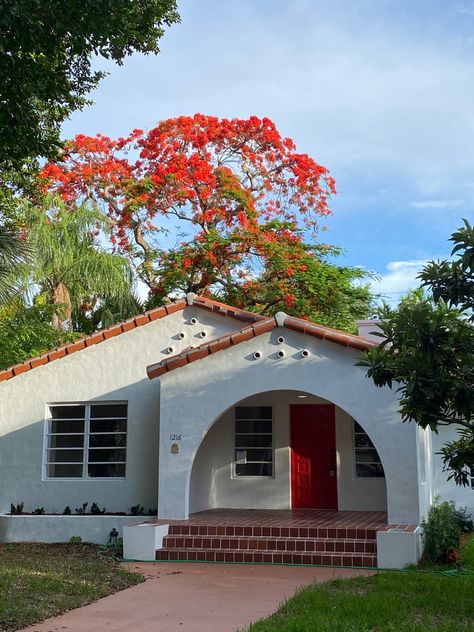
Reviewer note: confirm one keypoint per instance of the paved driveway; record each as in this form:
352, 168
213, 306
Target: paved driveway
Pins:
192, 598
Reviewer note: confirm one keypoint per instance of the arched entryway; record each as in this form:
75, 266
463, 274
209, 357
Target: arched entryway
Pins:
287, 449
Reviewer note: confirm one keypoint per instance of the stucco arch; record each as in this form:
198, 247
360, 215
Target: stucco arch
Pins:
213, 484
194, 397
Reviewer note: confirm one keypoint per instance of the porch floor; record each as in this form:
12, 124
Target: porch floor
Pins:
288, 518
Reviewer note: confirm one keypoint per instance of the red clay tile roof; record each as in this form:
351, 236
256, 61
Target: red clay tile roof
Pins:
256, 329
127, 325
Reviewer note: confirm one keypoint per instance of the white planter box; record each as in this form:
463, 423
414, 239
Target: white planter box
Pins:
61, 528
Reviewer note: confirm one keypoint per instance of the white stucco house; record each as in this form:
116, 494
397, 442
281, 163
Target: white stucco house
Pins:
232, 425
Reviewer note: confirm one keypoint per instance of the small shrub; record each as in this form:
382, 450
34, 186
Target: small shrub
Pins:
82, 510
137, 510
96, 510
67, 511
75, 539
441, 532
16, 510
118, 547
466, 555
39, 511
153, 512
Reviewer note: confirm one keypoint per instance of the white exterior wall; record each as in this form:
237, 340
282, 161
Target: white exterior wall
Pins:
213, 484
206, 389
112, 370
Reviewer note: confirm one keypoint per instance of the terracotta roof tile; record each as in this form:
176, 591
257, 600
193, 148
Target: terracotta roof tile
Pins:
258, 327
127, 325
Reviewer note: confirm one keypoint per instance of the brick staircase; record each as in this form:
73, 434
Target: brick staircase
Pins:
284, 539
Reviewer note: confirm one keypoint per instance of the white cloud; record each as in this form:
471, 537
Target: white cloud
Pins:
399, 278
438, 204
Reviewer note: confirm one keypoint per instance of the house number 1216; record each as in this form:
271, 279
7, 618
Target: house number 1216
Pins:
175, 437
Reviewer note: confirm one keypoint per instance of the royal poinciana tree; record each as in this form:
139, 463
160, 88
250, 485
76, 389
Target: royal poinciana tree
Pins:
243, 204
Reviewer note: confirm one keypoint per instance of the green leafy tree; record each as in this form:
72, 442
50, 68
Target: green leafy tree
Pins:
26, 331
427, 353
69, 265
46, 53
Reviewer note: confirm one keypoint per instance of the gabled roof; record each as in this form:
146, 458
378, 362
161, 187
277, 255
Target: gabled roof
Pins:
264, 325
132, 323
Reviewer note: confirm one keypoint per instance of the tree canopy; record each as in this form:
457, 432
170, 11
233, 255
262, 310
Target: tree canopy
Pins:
427, 353
46, 62
220, 207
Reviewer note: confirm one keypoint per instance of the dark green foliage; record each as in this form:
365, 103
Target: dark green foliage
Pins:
464, 520
16, 510
67, 511
26, 331
75, 539
39, 511
96, 510
136, 510
428, 353
45, 62
441, 531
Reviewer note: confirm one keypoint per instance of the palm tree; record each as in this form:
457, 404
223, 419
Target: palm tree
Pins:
70, 265
13, 253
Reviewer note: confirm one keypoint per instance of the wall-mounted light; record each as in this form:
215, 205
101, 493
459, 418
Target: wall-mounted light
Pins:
280, 340
257, 355
181, 335
193, 321
302, 396
281, 354
202, 334
304, 353
169, 350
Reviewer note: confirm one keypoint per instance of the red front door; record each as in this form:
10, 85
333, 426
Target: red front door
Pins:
313, 457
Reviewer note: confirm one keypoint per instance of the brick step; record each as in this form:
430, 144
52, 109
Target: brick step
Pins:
270, 544
255, 557
353, 533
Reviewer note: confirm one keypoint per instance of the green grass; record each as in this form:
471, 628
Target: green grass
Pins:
389, 602
42, 580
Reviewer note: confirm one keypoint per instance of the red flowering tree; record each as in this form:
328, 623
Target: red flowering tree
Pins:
239, 197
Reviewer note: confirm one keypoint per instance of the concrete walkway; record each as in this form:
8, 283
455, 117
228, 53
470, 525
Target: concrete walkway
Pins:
193, 598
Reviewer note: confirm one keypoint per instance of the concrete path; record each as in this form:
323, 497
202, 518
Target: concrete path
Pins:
193, 598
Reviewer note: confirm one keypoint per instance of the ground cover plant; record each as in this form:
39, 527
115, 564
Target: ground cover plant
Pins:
42, 580
391, 601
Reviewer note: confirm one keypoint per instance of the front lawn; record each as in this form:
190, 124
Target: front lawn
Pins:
42, 580
389, 601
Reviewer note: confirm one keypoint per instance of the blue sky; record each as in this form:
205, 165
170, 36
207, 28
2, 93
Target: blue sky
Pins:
379, 91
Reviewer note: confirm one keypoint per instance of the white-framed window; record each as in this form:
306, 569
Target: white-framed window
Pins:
86, 440
366, 457
253, 445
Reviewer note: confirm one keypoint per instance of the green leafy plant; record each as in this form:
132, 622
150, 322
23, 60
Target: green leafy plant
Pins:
75, 539
137, 510
96, 510
118, 547
464, 520
39, 511
442, 532
16, 510
67, 511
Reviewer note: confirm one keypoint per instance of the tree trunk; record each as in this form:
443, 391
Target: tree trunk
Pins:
62, 299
